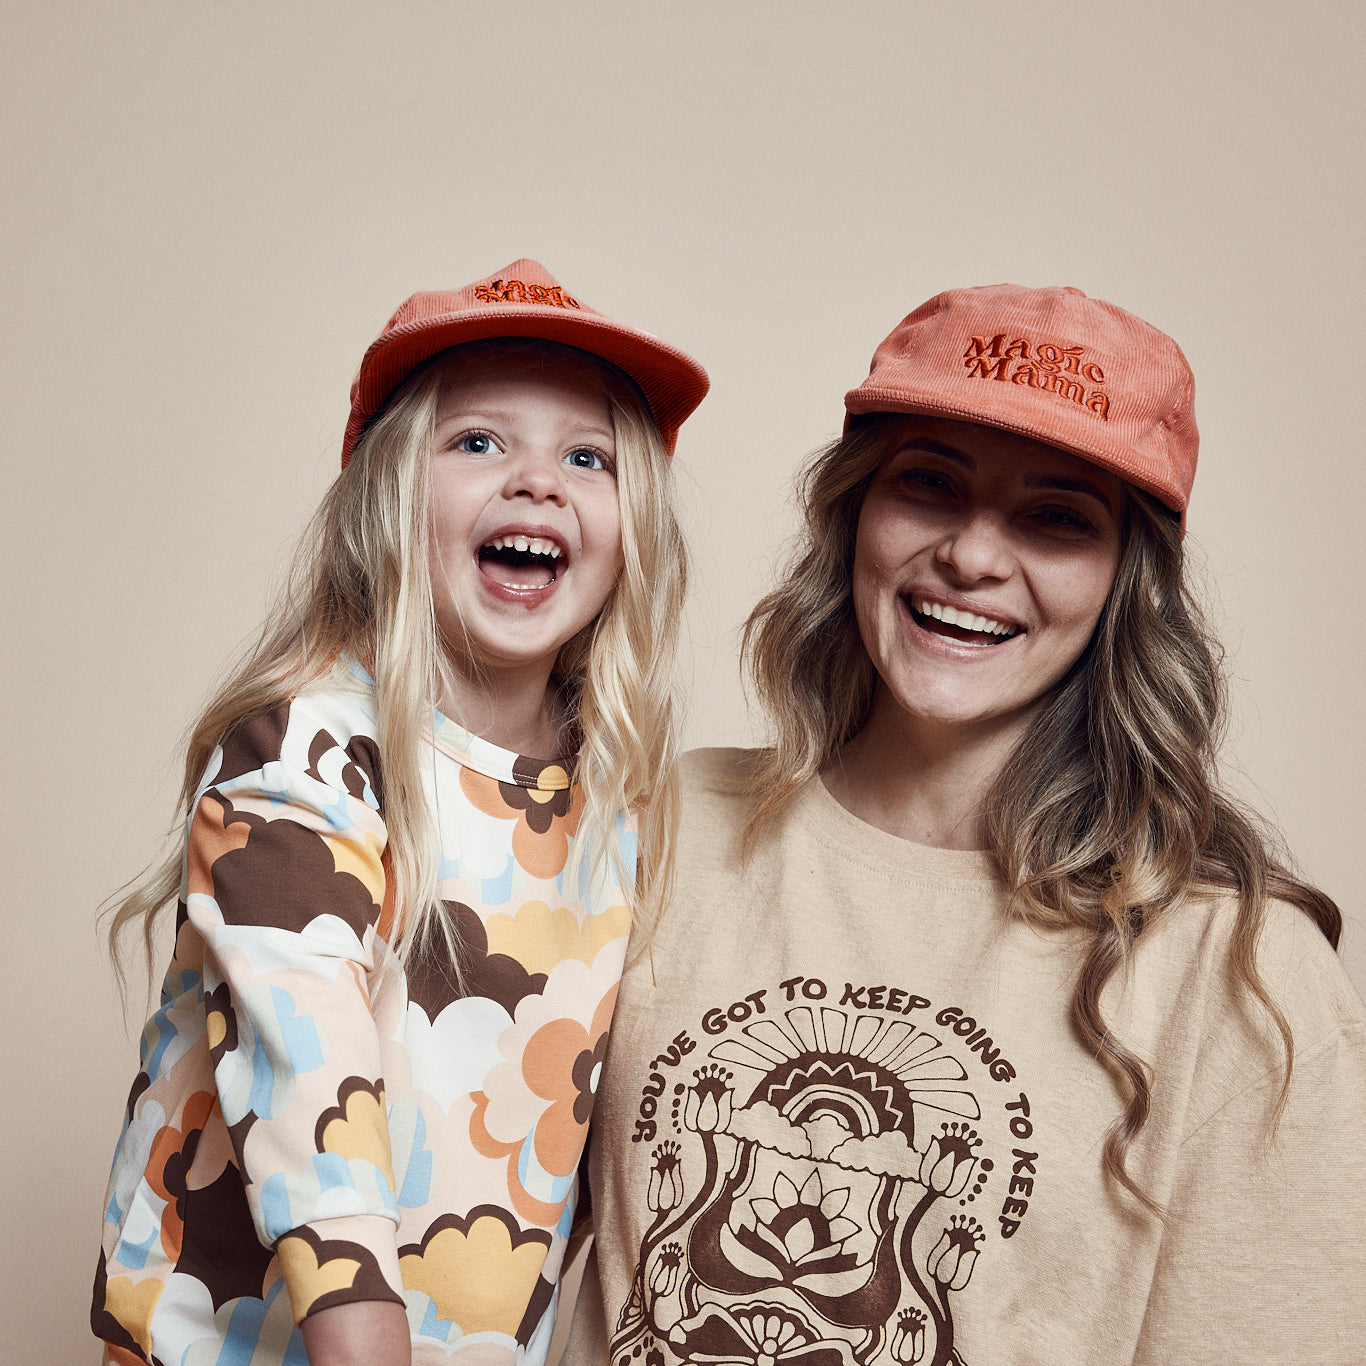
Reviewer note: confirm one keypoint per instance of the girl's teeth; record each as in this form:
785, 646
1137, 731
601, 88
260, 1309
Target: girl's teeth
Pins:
532, 544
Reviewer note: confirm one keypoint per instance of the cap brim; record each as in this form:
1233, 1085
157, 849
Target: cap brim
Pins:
672, 382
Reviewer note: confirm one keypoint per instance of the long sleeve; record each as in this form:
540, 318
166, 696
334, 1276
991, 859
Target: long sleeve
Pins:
285, 885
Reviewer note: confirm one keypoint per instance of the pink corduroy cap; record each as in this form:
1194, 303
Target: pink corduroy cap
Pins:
1073, 372
521, 300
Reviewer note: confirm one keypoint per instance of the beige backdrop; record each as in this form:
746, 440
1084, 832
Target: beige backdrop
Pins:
210, 209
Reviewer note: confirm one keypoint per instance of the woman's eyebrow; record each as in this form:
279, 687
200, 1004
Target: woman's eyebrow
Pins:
1065, 485
932, 447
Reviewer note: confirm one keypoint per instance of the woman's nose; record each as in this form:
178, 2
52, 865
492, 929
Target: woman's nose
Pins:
976, 548
536, 474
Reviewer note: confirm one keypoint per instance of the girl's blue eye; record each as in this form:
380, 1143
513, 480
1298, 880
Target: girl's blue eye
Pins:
585, 458
476, 443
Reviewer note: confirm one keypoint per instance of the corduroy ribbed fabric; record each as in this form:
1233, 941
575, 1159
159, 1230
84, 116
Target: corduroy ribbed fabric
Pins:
521, 300
1076, 373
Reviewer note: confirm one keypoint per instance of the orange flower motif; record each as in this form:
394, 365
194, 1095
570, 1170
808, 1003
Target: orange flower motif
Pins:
168, 1166
547, 816
561, 1063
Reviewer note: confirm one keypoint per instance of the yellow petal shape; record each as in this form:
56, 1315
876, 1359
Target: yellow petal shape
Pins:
133, 1303
478, 1279
539, 938
307, 1280
362, 861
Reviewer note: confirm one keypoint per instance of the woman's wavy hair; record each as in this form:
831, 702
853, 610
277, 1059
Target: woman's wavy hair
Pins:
360, 586
1109, 812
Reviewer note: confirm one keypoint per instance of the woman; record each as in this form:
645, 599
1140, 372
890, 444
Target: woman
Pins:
986, 1028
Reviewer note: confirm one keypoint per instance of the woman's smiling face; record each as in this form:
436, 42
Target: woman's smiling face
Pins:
981, 564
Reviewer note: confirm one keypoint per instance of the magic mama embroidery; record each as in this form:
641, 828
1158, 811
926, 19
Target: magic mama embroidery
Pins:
1061, 370
518, 292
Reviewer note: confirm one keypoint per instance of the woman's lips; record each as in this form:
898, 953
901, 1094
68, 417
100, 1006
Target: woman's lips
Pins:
958, 625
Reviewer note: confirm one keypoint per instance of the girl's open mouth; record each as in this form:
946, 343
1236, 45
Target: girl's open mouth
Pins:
954, 623
521, 563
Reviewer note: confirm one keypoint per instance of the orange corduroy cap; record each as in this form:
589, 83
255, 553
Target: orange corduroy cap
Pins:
1073, 372
521, 300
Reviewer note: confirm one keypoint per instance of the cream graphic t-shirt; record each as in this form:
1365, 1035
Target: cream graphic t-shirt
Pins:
844, 1119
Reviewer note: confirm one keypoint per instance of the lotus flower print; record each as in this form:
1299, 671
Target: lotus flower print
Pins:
708, 1104
797, 1238
806, 1225
947, 1165
953, 1256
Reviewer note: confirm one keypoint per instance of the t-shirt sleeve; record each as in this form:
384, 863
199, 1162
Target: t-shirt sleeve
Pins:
586, 1344
285, 883
1264, 1257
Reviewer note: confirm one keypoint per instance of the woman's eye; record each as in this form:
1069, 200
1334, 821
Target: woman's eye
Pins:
476, 443
926, 481
585, 458
1061, 519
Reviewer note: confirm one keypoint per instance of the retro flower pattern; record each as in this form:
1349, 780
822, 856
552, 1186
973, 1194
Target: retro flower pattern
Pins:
312, 1124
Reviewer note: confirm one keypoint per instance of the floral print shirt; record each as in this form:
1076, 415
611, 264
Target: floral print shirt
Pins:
313, 1125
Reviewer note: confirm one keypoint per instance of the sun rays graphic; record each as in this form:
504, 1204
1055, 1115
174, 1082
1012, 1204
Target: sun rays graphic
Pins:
870, 1074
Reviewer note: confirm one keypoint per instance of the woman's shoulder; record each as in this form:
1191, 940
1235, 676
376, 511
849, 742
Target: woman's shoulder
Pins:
715, 794
721, 771
1301, 971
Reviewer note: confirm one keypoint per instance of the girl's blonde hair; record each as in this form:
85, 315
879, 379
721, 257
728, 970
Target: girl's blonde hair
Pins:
1109, 812
360, 585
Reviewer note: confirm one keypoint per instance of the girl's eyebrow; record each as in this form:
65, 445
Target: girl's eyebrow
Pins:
496, 415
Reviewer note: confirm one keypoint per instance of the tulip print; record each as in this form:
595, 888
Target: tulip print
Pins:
908, 1338
947, 1164
666, 1180
953, 1256
708, 1104
667, 1268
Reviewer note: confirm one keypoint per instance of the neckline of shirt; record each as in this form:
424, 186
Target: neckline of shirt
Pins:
450, 738
881, 851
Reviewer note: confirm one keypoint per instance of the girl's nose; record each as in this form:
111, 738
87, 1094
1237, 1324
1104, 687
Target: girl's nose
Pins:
976, 548
536, 474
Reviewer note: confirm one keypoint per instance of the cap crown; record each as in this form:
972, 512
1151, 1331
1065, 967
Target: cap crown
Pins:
1052, 364
521, 300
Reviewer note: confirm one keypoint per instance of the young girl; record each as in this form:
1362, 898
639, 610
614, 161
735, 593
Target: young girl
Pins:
362, 1102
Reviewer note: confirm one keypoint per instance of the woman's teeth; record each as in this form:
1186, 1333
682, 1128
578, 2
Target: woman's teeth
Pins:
965, 621
528, 545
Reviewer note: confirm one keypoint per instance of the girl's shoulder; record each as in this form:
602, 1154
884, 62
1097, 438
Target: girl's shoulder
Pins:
326, 732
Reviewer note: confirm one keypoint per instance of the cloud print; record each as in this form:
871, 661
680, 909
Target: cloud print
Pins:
889, 1154
763, 1124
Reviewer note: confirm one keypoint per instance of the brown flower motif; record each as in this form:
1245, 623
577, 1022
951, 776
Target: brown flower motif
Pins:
587, 1069
547, 814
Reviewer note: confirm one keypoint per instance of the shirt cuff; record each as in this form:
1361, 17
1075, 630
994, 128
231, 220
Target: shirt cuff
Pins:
338, 1261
